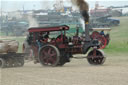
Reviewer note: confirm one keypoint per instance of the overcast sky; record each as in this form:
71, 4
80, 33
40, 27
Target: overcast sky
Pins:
11, 5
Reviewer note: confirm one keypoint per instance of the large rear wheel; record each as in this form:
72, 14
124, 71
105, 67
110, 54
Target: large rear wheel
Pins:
49, 55
96, 57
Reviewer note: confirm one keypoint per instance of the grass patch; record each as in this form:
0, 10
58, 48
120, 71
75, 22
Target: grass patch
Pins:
119, 38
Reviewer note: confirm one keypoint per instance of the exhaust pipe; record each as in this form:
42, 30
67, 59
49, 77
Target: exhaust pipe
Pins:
87, 36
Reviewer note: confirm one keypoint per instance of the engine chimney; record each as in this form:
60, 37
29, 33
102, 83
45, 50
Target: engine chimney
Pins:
87, 36
85, 15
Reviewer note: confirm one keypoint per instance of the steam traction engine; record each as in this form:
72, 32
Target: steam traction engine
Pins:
101, 36
57, 48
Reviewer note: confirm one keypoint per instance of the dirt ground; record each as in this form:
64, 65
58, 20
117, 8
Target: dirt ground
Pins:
77, 72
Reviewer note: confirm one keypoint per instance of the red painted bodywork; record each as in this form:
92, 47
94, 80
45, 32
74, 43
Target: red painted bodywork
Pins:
48, 29
58, 42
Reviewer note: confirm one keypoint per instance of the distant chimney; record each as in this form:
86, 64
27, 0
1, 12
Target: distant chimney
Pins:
96, 5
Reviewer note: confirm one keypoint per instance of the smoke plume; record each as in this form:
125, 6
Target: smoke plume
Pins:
83, 8
82, 23
32, 21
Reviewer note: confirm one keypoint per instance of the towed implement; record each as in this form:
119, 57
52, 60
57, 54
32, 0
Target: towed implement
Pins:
8, 55
52, 46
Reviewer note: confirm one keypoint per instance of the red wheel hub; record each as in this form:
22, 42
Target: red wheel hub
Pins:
48, 56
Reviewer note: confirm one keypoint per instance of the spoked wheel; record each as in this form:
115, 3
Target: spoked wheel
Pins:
102, 40
2, 63
95, 34
49, 55
96, 57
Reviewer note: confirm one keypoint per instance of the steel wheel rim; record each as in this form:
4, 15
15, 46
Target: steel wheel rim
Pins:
48, 56
96, 60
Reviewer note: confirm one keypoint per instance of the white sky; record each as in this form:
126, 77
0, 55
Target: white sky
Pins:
63, 0
11, 5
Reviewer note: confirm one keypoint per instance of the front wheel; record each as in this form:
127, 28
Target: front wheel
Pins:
49, 55
96, 57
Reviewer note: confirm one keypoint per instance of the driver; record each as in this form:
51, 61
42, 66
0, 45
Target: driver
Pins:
46, 36
40, 39
102, 33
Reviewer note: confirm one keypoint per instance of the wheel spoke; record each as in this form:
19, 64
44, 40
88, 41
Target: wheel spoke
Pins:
49, 50
44, 52
49, 55
94, 52
45, 57
97, 59
53, 54
52, 60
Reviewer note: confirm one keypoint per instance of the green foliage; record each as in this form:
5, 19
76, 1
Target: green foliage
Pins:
119, 38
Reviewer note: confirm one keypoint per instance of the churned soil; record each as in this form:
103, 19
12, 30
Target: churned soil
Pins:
78, 72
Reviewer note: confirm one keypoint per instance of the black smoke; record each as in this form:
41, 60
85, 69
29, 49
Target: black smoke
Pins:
83, 8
